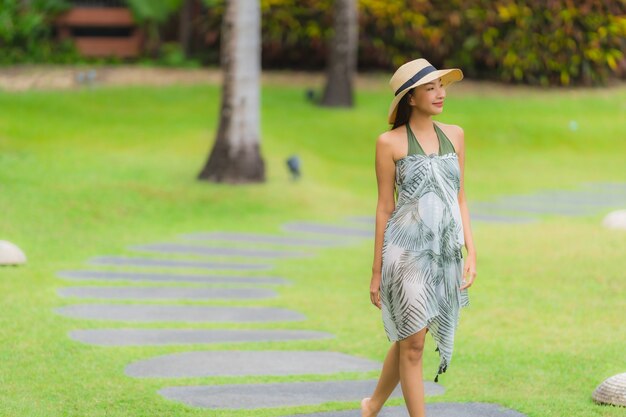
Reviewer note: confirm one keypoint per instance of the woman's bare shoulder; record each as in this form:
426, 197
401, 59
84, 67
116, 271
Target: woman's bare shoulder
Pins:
454, 132
390, 137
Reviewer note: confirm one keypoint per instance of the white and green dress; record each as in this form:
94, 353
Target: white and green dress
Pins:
422, 260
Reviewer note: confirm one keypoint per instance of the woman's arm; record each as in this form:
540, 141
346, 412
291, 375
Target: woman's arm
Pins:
470, 263
385, 176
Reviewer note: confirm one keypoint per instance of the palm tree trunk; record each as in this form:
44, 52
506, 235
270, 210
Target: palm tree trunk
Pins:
236, 155
184, 27
343, 56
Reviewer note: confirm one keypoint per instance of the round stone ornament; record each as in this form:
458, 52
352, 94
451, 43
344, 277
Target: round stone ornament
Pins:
612, 391
11, 254
615, 220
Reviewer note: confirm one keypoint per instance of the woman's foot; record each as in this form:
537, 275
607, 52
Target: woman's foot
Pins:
366, 411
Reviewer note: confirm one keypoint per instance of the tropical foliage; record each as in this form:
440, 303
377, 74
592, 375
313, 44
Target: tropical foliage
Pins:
151, 14
557, 42
525, 41
25, 32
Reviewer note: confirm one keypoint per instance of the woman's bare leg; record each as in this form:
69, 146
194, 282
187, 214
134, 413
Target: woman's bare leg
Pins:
411, 378
387, 382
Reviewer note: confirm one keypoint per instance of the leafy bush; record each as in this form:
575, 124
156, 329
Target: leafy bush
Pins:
544, 42
526, 41
26, 35
171, 55
556, 42
151, 14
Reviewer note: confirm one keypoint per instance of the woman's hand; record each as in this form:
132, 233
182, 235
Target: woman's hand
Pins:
375, 289
469, 270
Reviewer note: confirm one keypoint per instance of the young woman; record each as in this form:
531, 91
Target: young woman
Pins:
419, 277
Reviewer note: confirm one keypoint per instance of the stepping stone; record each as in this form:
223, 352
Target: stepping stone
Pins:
247, 362
594, 199
134, 337
499, 218
149, 313
587, 200
554, 210
583, 206
280, 394
10, 254
547, 208
175, 248
606, 193
158, 277
259, 238
309, 227
615, 220
368, 220
432, 410
488, 217
149, 262
165, 293
613, 186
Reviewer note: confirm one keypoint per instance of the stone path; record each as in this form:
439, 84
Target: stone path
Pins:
166, 293
299, 239
150, 312
325, 229
164, 277
168, 263
280, 394
260, 238
432, 410
589, 199
147, 337
249, 362
177, 248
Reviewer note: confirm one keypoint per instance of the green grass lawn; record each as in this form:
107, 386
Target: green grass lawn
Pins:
85, 173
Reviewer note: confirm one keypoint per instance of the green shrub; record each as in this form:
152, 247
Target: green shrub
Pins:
522, 41
536, 42
171, 55
544, 42
151, 14
26, 35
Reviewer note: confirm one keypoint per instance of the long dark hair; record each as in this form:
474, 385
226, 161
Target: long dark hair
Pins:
404, 110
403, 114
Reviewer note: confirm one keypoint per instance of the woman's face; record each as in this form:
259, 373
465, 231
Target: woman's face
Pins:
428, 98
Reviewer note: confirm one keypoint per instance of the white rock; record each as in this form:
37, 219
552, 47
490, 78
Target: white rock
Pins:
11, 254
615, 220
611, 391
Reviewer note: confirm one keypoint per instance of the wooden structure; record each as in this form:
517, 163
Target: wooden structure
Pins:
101, 31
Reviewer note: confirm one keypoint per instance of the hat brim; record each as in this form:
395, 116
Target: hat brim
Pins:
448, 76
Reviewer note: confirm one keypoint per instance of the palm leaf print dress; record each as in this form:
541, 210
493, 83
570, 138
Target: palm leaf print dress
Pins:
422, 261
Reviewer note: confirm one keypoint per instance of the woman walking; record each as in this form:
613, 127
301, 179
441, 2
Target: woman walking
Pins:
419, 277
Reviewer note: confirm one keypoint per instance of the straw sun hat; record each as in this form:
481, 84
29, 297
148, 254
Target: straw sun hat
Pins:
414, 73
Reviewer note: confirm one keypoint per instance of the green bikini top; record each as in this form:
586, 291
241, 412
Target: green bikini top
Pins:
445, 146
